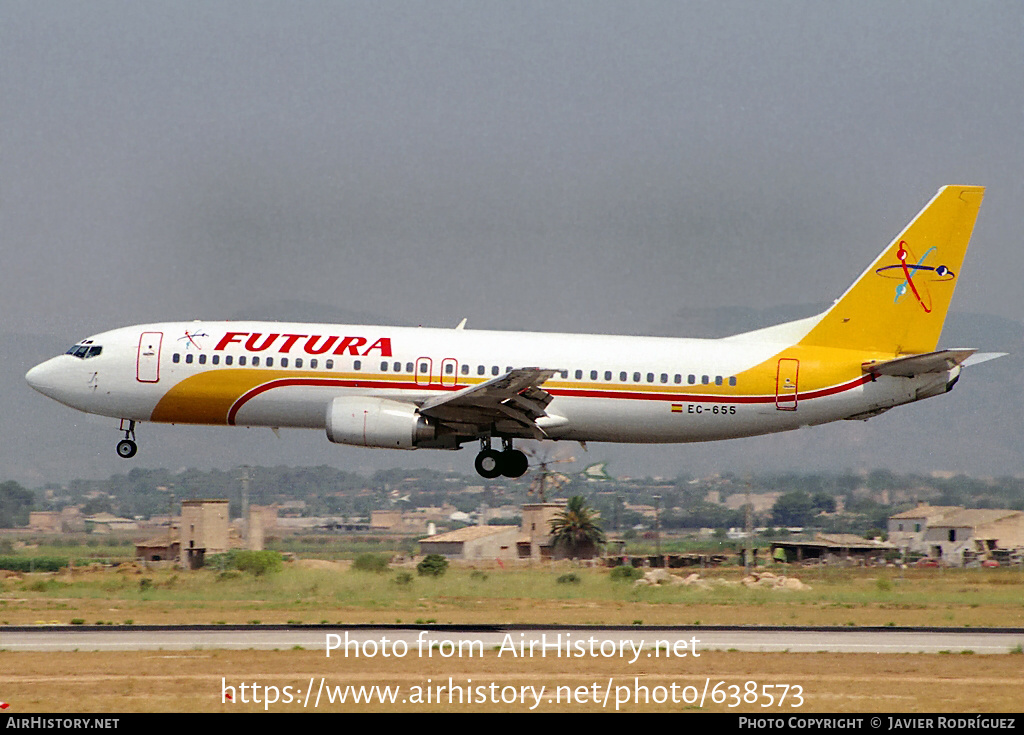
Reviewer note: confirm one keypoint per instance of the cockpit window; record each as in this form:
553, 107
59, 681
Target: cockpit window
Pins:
85, 350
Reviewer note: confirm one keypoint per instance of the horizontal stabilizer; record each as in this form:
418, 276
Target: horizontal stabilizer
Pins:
930, 362
979, 357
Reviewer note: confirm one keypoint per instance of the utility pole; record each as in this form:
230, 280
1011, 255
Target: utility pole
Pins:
169, 488
748, 531
245, 494
657, 526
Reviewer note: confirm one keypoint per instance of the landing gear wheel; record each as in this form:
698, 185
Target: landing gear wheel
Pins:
514, 463
126, 449
489, 463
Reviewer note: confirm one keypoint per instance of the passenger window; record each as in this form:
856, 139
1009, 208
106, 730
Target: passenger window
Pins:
593, 375
284, 362
664, 377
256, 361
228, 359
356, 364
398, 367
241, 359
298, 362
718, 380
269, 363
678, 379
704, 380
424, 368
215, 359
188, 358
691, 379
313, 364
329, 364
449, 369
202, 359
494, 370
465, 369
579, 374
732, 381
636, 377
607, 374
480, 369
622, 376
650, 377
384, 367
176, 357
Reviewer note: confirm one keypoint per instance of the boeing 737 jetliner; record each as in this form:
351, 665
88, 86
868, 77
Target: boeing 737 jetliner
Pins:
407, 388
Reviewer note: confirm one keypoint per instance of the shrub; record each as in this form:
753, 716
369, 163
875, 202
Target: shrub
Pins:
370, 562
432, 565
256, 563
403, 578
32, 563
626, 574
570, 578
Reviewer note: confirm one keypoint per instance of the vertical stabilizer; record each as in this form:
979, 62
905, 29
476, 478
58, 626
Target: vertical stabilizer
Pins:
899, 303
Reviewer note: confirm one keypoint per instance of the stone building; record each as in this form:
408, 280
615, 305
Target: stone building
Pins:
204, 530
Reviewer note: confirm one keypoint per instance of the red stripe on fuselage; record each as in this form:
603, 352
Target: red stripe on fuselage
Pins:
568, 392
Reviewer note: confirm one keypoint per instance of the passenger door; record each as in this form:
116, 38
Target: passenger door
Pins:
147, 366
786, 384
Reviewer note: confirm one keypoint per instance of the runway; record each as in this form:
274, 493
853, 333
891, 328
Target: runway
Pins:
648, 639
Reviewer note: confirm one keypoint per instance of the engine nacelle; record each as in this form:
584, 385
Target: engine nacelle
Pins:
377, 422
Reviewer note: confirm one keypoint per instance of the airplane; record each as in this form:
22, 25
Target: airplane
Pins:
409, 388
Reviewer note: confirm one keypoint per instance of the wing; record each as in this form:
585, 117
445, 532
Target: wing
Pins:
511, 402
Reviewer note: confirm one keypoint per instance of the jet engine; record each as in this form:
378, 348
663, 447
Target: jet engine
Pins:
377, 422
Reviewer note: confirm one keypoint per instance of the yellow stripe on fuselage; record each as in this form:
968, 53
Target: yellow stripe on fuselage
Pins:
208, 397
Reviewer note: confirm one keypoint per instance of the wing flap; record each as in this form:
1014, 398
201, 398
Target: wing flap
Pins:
516, 395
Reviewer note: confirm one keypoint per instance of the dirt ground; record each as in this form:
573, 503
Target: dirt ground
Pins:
199, 681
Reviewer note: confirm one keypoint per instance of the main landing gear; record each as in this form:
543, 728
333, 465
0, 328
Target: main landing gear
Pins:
126, 448
508, 462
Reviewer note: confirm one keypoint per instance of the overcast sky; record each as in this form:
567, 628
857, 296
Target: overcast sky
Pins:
572, 166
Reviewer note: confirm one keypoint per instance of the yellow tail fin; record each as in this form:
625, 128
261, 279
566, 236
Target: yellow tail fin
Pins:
899, 303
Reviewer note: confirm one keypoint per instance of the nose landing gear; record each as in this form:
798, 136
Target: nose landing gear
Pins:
508, 462
127, 448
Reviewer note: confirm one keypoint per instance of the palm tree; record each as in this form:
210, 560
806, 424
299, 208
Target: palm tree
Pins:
575, 531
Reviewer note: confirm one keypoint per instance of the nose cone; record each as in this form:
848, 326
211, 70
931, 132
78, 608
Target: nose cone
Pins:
50, 378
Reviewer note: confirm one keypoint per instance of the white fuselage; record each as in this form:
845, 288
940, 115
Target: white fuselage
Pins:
608, 388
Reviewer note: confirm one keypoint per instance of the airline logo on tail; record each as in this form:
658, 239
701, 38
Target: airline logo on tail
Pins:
906, 273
